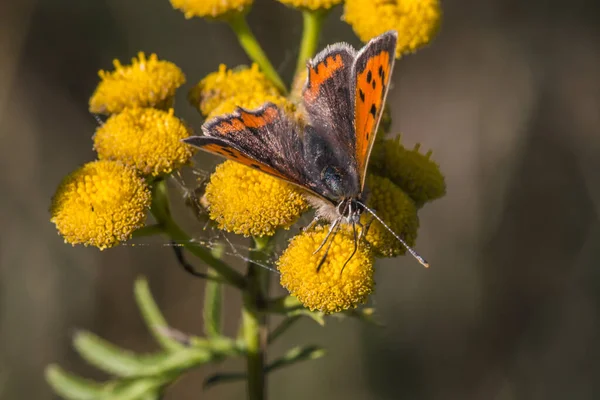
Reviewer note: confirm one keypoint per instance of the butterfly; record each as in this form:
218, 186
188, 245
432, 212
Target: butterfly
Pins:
327, 157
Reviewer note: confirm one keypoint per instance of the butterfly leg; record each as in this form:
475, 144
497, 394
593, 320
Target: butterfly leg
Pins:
332, 231
331, 228
355, 246
311, 225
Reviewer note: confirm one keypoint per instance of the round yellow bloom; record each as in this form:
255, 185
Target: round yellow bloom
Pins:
397, 210
330, 289
311, 4
416, 21
146, 139
250, 202
224, 84
415, 173
144, 83
211, 8
100, 204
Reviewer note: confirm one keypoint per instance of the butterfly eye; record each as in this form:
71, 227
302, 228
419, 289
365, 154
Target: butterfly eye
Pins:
332, 178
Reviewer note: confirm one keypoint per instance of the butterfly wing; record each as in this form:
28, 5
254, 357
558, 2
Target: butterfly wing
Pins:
327, 97
370, 78
264, 139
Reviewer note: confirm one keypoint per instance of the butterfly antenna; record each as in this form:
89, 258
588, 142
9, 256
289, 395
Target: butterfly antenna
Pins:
408, 248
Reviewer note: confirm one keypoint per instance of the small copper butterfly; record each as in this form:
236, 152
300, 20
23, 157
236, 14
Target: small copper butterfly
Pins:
344, 96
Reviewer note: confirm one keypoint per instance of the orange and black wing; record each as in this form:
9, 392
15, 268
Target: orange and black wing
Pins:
371, 75
264, 139
327, 97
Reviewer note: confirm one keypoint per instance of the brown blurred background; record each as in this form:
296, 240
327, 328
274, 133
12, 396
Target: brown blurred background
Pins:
508, 97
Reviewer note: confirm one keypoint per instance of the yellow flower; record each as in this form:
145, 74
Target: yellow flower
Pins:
416, 21
146, 139
250, 202
311, 4
100, 204
144, 83
415, 173
397, 210
330, 289
225, 84
211, 8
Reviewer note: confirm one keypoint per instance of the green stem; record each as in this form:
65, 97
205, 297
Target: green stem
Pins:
250, 44
161, 211
313, 21
254, 322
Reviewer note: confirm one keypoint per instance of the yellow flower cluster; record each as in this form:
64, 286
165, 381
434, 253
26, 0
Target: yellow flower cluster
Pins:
415, 173
145, 83
240, 86
211, 8
311, 4
146, 139
329, 289
100, 204
249, 202
416, 21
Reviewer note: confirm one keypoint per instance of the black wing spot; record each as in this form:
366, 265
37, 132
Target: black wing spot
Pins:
369, 76
373, 110
256, 166
362, 95
368, 135
373, 84
381, 71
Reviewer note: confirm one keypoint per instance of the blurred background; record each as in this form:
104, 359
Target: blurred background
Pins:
508, 99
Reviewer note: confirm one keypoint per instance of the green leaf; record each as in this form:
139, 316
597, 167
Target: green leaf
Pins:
106, 356
295, 355
366, 314
137, 389
152, 315
72, 387
290, 306
217, 379
282, 328
213, 299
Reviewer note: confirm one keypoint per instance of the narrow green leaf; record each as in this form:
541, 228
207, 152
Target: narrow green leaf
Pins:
72, 387
213, 299
366, 314
282, 328
152, 315
295, 355
138, 389
217, 379
290, 306
105, 355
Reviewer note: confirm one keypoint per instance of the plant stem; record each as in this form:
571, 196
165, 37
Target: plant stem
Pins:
313, 21
250, 44
161, 211
254, 321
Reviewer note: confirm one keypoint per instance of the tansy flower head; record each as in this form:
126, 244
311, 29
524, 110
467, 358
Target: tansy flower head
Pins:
397, 210
250, 202
100, 204
416, 21
220, 86
311, 4
415, 173
144, 83
330, 289
145, 138
211, 8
